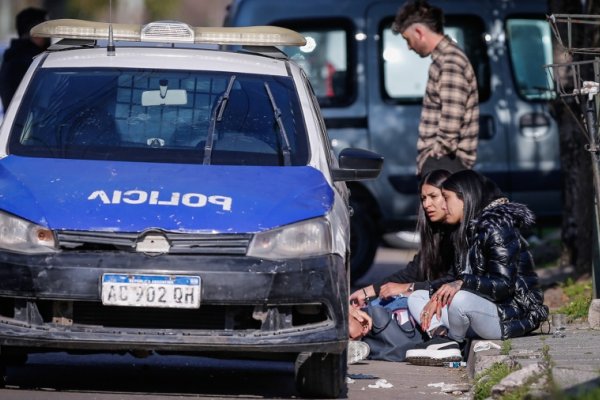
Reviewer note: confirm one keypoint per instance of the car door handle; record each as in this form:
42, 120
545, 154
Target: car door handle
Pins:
534, 125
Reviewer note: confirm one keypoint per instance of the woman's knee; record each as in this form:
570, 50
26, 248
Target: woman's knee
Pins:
418, 298
461, 298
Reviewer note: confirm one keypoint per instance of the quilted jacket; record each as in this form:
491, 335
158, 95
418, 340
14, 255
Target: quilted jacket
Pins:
499, 267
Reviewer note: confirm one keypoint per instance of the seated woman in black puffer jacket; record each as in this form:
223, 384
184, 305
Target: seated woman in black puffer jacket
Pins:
496, 295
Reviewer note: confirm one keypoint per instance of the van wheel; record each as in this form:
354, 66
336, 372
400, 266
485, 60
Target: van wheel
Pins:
321, 375
364, 240
403, 240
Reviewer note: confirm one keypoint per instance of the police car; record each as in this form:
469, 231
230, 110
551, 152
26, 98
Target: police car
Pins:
161, 193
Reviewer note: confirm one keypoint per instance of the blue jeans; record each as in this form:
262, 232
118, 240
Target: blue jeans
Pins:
469, 315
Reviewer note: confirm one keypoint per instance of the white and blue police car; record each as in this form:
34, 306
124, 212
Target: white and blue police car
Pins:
160, 191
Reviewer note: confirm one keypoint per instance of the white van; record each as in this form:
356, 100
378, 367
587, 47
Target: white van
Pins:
370, 88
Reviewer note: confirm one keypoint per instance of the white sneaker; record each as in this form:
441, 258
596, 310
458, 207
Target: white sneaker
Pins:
357, 351
435, 352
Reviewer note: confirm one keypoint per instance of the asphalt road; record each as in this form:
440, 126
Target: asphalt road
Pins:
52, 376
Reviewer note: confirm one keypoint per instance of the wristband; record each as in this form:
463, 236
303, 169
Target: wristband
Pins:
367, 298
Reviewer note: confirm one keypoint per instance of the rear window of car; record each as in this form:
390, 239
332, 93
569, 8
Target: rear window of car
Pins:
161, 116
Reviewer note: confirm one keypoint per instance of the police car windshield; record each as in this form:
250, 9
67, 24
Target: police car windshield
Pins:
158, 116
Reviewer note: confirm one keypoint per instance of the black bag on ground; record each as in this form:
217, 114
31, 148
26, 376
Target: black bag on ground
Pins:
393, 333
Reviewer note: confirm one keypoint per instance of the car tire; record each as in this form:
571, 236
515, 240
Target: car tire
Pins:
9, 357
364, 241
321, 375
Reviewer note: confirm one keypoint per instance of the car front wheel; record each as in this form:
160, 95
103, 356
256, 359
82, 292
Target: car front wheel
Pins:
321, 375
364, 240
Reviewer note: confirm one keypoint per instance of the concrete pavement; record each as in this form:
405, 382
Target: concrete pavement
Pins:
407, 381
383, 380
560, 361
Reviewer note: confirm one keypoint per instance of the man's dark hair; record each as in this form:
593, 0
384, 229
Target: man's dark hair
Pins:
28, 18
419, 11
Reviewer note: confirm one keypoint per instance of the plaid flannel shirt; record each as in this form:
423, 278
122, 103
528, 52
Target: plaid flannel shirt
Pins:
450, 115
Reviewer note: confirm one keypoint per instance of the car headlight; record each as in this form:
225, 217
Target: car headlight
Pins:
22, 236
304, 239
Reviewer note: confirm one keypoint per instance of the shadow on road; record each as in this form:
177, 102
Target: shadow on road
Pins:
155, 375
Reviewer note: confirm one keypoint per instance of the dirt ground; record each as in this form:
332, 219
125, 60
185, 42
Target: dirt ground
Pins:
554, 297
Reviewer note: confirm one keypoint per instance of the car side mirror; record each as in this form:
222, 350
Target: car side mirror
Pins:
357, 164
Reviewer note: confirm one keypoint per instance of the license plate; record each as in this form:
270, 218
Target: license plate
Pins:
151, 291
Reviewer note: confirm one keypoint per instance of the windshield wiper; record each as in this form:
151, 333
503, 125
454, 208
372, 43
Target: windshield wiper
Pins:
216, 116
285, 143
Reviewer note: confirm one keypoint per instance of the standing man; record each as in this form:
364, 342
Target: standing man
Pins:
449, 125
19, 55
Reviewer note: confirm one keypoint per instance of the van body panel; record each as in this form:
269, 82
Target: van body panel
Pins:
519, 144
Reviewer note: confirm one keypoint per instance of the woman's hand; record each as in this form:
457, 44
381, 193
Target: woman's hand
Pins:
394, 289
446, 292
359, 297
360, 323
440, 299
430, 309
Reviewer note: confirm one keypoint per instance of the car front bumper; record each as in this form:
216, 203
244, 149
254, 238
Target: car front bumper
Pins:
247, 305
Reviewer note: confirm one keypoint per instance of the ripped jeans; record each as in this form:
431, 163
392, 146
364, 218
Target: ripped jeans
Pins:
469, 315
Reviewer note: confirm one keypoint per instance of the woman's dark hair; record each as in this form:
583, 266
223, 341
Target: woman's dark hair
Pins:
433, 254
476, 191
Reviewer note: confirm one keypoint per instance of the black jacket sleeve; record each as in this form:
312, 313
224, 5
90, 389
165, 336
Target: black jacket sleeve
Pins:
497, 259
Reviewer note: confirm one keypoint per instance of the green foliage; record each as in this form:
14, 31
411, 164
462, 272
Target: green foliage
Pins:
580, 297
85, 9
162, 9
517, 394
95, 10
506, 347
488, 378
592, 394
585, 394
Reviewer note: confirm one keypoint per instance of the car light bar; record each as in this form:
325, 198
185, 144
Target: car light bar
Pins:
169, 32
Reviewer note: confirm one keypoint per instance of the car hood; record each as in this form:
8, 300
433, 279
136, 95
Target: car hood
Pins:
132, 197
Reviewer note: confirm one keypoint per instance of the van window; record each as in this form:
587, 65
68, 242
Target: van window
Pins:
325, 58
405, 72
530, 44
